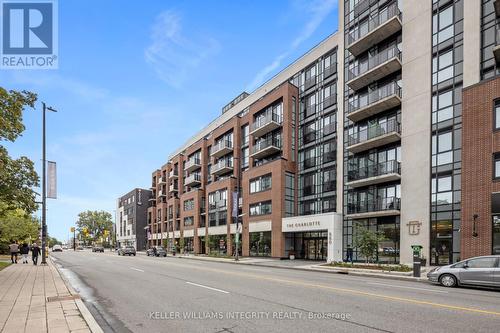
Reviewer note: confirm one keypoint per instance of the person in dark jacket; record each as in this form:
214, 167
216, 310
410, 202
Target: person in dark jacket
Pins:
25, 249
35, 251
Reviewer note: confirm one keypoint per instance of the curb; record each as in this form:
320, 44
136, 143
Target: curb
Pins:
87, 316
313, 269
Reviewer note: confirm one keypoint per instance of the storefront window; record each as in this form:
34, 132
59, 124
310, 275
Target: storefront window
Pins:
260, 243
442, 236
217, 244
496, 234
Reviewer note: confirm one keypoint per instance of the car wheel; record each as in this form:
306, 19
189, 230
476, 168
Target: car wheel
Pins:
448, 280
134, 254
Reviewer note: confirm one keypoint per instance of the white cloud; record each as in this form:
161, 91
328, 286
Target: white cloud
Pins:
174, 56
318, 10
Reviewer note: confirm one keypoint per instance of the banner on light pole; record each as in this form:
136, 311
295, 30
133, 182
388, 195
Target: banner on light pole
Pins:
51, 180
235, 204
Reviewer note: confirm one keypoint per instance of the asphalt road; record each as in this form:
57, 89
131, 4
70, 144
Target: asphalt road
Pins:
145, 294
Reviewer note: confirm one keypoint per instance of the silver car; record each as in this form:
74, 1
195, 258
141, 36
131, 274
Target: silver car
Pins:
480, 271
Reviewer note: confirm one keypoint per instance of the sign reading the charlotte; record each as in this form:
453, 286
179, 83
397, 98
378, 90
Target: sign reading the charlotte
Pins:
29, 34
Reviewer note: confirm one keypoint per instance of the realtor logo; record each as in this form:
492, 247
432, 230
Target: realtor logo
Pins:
29, 34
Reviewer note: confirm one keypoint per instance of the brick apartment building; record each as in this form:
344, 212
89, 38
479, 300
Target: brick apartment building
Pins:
387, 124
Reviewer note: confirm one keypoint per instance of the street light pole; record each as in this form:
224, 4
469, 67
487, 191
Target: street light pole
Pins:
44, 185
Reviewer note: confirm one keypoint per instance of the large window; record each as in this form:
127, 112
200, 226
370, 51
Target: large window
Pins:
442, 193
442, 27
497, 114
260, 243
245, 136
189, 204
289, 194
442, 67
442, 147
188, 221
261, 208
442, 106
496, 235
496, 166
260, 184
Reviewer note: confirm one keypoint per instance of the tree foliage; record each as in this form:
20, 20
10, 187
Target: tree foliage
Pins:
366, 242
17, 225
17, 176
94, 222
12, 104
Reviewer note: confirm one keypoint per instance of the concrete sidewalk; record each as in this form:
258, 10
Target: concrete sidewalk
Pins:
36, 299
306, 265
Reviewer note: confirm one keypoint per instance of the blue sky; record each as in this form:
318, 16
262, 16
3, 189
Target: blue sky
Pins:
136, 79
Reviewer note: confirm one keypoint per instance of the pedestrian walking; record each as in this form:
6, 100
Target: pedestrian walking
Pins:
25, 249
14, 249
35, 251
349, 252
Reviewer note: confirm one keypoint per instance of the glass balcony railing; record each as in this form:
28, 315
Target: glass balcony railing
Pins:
382, 92
374, 205
221, 148
374, 131
269, 143
266, 123
373, 61
373, 23
375, 170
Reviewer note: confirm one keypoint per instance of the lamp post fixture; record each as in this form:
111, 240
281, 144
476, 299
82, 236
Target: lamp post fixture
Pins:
474, 231
44, 185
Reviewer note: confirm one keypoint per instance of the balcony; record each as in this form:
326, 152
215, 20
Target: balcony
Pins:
496, 3
377, 101
309, 136
374, 174
310, 82
162, 180
329, 71
375, 30
329, 128
382, 64
329, 101
266, 147
193, 179
192, 164
374, 136
265, 124
496, 49
162, 194
222, 167
173, 174
222, 148
379, 207
173, 188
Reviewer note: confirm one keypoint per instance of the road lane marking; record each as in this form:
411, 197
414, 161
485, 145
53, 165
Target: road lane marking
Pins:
207, 287
136, 269
415, 288
344, 290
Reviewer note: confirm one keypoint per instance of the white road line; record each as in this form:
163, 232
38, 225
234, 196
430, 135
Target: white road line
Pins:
397, 286
202, 286
136, 269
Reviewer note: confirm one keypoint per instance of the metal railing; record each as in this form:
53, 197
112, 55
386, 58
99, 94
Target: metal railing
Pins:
221, 145
193, 177
329, 128
374, 61
173, 173
309, 136
263, 144
264, 120
374, 205
374, 170
368, 26
382, 92
192, 162
329, 186
329, 101
328, 71
221, 164
309, 162
374, 131
310, 82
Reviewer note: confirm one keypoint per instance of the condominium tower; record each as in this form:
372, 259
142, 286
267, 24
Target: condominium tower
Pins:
369, 129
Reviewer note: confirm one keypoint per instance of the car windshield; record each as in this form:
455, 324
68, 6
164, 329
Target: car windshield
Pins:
159, 248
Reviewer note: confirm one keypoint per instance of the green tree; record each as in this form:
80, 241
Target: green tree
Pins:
95, 222
51, 241
17, 176
366, 242
17, 225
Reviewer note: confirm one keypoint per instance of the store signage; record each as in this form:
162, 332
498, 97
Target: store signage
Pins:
303, 224
414, 227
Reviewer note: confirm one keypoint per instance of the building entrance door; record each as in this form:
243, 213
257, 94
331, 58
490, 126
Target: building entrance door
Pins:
315, 248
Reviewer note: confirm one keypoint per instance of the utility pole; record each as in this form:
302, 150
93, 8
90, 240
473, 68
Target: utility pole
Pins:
44, 185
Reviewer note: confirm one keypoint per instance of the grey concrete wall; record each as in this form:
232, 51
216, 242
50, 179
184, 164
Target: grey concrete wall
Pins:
416, 125
472, 42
